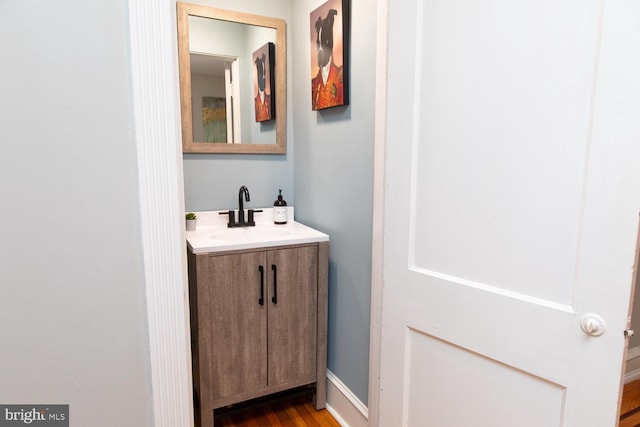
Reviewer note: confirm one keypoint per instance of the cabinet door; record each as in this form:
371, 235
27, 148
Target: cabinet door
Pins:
293, 275
238, 328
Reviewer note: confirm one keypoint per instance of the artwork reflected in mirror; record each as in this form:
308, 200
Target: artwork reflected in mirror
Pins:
263, 83
214, 119
329, 26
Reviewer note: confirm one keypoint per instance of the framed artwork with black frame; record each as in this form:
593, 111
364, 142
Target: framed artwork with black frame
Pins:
329, 25
264, 82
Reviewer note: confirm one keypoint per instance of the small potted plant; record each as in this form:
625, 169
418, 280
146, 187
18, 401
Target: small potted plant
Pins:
191, 218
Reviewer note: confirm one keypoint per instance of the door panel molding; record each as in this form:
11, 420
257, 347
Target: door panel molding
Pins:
429, 393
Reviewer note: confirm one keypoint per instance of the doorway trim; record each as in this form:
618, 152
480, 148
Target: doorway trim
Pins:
380, 139
155, 104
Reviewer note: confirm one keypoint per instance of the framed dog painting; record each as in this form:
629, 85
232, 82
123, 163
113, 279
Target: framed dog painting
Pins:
330, 55
264, 82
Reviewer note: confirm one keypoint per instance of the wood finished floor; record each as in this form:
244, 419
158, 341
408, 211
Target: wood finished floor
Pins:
297, 411
630, 407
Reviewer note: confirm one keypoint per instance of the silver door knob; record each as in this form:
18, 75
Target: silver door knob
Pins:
593, 325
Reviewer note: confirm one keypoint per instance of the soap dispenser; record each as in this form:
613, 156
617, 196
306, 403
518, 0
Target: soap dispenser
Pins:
280, 210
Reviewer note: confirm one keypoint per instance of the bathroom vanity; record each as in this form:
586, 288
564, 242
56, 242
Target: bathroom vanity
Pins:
258, 307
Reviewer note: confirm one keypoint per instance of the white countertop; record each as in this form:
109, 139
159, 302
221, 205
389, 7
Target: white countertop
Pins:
213, 235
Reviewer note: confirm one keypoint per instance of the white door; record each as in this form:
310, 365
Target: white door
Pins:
512, 193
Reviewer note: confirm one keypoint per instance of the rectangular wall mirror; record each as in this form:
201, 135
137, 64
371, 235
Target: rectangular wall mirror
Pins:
227, 85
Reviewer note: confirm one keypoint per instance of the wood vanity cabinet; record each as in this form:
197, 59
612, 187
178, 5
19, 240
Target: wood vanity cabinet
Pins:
258, 324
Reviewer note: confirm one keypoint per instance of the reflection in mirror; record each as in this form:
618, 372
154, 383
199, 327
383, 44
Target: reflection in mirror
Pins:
216, 115
217, 81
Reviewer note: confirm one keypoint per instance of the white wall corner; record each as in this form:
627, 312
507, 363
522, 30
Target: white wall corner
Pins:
343, 405
632, 368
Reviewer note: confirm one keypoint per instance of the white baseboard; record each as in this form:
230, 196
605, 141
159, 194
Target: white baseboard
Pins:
343, 405
632, 368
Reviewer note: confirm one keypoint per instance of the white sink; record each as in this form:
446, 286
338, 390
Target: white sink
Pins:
213, 235
245, 234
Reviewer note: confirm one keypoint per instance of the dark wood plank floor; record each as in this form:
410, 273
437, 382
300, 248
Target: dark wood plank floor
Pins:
630, 407
296, 411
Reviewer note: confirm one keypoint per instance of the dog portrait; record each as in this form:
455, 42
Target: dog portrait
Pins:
263, 82
329, 26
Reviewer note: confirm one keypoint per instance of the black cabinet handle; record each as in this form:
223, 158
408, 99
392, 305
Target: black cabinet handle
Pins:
274, 299
261, 300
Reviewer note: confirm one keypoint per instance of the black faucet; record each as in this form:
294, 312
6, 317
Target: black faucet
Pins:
232, 215
244, 190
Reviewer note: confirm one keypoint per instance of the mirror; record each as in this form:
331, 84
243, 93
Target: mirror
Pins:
220, 95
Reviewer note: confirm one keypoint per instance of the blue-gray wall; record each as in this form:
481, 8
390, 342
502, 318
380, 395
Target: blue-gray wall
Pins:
327, 175
333, 178
73, 326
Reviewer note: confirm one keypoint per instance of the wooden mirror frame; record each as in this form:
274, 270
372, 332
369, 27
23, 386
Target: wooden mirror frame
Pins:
184, 10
